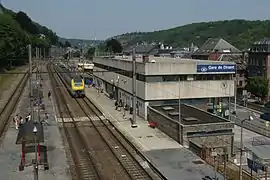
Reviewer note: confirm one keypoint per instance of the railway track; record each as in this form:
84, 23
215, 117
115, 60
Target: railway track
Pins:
9, 108
119, 148
83, 165
108, 154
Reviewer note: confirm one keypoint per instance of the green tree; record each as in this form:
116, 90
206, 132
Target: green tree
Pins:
13, 42
91, 52
67, 44
114, 46
51, 36
76, 54
60, 44
240, 33
17, 30
26, 23
101, 47
258, 86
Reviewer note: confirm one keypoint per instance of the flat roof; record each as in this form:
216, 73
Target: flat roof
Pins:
180, 162
260, 146
171, 60
190, 114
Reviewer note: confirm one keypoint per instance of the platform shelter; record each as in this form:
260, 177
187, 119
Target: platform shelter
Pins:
29, 140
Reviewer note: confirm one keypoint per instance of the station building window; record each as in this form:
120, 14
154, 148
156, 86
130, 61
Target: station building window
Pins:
165, 78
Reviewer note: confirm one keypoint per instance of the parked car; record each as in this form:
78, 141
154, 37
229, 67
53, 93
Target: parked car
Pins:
265, 116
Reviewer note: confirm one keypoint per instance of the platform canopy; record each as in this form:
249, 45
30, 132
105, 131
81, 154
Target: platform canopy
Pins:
27, 135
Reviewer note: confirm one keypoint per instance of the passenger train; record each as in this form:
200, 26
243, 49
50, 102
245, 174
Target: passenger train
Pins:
85, 67
75, 83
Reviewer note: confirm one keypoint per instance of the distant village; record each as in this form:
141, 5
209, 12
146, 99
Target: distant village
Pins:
249, 61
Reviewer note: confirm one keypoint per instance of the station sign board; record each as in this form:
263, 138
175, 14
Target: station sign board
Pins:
206, 68
255, 166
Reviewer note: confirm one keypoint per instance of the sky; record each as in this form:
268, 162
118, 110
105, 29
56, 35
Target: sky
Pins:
101, 19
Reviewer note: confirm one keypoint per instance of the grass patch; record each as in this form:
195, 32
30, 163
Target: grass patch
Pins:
7, 79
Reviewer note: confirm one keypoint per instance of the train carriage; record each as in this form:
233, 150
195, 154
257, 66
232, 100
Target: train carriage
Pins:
88, 68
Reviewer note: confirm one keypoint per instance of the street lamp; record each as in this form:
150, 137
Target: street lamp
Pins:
36, 162
117, 87
214, 155
250, 118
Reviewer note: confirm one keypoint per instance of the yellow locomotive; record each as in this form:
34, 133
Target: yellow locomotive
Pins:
74, 83
77, 87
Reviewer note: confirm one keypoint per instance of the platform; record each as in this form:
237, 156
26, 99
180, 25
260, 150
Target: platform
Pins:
10, 153
169, 157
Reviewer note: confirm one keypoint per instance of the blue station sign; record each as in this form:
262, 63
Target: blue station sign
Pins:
205, 68
255, 166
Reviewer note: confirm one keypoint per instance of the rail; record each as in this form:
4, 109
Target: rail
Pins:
129, 163
84, 165
12, 102
137, 151
133, 170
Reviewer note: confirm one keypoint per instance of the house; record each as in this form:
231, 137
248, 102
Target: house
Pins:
159, 50
141, 49
220, 50
213, 48
241, 67
259, 59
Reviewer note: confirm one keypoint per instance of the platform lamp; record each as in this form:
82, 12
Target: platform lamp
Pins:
117, 87
250, 118
214, 156
36, 160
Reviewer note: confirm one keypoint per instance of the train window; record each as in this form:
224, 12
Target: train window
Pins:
77, 84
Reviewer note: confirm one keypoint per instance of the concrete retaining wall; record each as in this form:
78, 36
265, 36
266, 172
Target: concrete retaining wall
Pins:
217, 139
164, 123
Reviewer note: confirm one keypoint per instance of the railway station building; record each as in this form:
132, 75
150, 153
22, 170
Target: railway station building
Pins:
160, 82
163, 80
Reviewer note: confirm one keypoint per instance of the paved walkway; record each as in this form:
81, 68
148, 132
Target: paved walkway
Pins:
169, 157
10, 153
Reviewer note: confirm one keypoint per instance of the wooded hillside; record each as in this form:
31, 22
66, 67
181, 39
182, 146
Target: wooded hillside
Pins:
17, 30
240, 33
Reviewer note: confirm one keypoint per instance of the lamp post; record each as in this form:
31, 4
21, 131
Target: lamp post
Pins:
214, 155
250, 118
125, 100
36, 162
113, 85
117, 88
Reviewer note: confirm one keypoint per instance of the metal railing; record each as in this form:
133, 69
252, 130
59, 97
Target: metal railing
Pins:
254, 106
232, 170
252, 127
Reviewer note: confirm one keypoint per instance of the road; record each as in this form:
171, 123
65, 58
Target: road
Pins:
258, 125
254, 142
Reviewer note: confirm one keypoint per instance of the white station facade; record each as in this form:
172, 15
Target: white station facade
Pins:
163, 80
